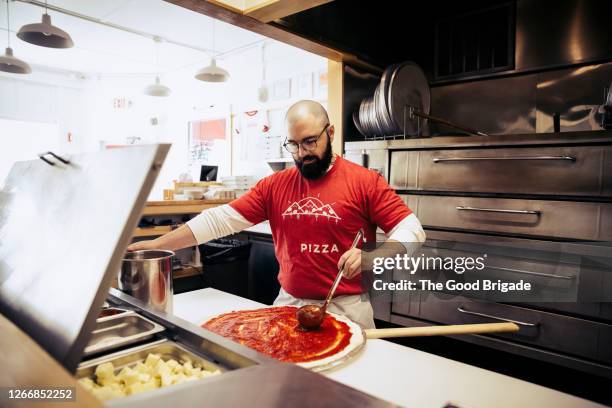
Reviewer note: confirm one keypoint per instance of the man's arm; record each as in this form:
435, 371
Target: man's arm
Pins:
182, 237
408, 230
387, 210
406, 237
217, 222
209, 224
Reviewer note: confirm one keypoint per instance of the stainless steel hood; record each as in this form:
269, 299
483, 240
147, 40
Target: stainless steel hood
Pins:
63, 230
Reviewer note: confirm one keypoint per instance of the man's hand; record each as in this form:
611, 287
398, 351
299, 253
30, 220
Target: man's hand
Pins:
142, 245
182, 237
351, 260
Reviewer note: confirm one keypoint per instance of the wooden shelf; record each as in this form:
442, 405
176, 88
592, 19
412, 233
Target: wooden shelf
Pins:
152, 231
180, 207
187, 271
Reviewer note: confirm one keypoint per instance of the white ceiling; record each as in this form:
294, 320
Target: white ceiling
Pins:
104, 50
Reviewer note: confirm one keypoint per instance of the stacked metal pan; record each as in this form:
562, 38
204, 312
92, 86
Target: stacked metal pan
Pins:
386, 112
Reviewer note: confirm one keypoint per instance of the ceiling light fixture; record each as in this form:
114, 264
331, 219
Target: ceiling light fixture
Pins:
45, 34
212, 73
157, 89
8, 63
262, 92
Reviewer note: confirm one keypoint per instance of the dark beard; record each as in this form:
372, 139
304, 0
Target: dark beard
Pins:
317, 168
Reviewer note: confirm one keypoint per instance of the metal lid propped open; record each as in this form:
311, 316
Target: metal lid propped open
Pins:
64, 225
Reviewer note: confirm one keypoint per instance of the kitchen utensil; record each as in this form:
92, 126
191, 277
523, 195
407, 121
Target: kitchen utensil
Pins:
441, 330
413, 112
383, 95
147, 275
408, 87
311, 316
359, 337
386, 111
378, 112
358, 123
120, 330
109, 311
167, 350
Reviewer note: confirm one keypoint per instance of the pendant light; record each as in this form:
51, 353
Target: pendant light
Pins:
212, 73
262, 92
45, 34
8, 63
157, 89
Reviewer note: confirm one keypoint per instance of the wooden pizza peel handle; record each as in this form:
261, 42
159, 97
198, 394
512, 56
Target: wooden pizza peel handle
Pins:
441, 330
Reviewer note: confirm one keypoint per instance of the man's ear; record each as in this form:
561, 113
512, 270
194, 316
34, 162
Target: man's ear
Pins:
331, 131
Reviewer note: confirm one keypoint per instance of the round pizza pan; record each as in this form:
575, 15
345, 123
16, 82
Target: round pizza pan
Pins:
408, 87
357, 124
383, 96
376, 113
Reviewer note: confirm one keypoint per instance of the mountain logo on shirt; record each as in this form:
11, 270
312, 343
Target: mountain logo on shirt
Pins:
311, 206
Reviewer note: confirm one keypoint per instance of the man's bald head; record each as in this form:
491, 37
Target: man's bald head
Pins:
306, 110
309, 138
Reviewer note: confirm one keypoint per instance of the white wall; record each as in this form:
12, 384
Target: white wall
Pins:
40, 112
83, 106
21, 140
195, 100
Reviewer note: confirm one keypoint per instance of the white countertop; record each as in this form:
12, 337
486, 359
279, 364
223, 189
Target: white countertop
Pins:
403, 375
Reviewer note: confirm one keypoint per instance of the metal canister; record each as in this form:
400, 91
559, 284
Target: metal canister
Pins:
147, 275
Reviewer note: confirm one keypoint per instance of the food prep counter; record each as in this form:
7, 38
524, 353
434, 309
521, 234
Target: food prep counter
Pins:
56, 301
66, 324
399, 374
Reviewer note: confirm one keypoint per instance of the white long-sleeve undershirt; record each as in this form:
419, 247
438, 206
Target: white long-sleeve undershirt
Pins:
224, 220
408, 230
217, 222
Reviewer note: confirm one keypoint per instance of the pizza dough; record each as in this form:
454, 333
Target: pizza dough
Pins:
275, 332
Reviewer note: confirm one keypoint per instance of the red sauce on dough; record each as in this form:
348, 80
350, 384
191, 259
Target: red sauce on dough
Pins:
275, 331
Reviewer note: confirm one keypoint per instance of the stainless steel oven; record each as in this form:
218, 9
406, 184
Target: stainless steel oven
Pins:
540, 207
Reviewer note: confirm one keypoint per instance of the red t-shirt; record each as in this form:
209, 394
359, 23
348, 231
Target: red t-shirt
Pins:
315, 221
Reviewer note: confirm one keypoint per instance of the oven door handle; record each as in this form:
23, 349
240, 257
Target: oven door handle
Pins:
498, 210
543, 275
545, 158
503, 319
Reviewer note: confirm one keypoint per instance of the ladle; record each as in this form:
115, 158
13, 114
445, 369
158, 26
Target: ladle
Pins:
311, 316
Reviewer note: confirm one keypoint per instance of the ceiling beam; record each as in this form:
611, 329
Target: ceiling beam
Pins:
236, 6
270, 10
217, 9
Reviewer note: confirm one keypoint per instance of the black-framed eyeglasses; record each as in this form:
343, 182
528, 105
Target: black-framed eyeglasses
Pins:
308, 143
